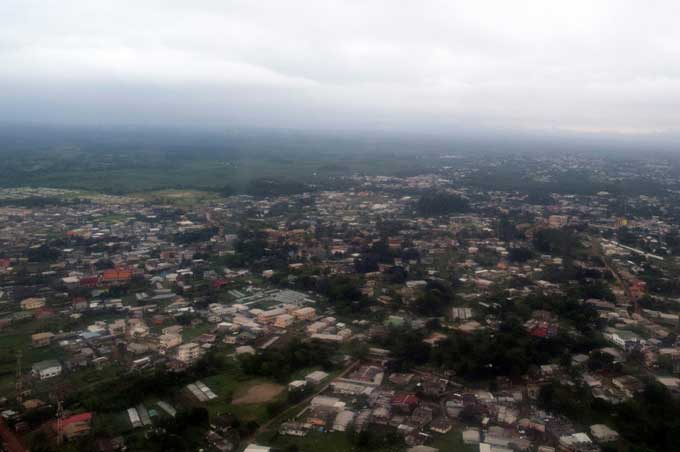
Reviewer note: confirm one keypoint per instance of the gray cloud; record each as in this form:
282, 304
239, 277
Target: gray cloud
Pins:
606, 66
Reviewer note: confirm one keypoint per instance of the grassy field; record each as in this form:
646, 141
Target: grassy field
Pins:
226, 385
191, 333
452, 442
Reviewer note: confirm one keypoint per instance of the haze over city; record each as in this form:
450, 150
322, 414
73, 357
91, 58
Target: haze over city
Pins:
608, 67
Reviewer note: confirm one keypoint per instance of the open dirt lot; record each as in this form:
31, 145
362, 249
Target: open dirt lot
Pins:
257, 394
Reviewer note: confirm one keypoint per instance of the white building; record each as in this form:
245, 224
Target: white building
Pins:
316, 377
603, 434
46, 369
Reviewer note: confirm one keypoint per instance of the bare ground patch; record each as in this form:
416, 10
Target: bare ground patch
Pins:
258, 394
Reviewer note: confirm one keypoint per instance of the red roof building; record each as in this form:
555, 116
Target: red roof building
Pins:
404, 400
76, 425
219, 283
89, 281
119, 274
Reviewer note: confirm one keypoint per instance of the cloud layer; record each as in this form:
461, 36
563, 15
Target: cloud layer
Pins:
603, 66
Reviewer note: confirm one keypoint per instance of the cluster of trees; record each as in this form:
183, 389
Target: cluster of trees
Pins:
510, 352
507, 231
373, 439
198, 235
344, 294
650, 421
440, 203
42, 253
39, 201
436, 297
580, 316
520, 254
281, 363
121, 393
561, 242
658, 284
276, 187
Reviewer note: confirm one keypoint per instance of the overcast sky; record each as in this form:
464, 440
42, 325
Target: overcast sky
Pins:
586, 66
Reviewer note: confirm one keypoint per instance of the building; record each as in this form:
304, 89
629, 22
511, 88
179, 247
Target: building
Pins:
77, 425
174, 329
297, 385
42, 339
117, 275
292, 428
327, 402
603, 434
245, 350
305, 313
46, 369
168, 341
257, 448
335, 338
284, 321
461, 313
117, 327
471, 436
404, 402
558, 221
316, 377
188, 352
576, 442
627, 340
270, 315
343, 420
29, 304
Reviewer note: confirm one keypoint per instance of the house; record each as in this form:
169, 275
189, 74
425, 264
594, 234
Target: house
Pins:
461, 313
293, 428
168, 341
117, 275
189, 352
316, 377
42, 339
603, 434
245, 350
117, 327
327, 402
46, 369
257, 448
174, 329
79, 304
284, 321
334, 338
297, 385
441, 425
29, 304
270, 315
404, 402
627, 340
576, 442
307, 313
77, 425
471, 436
343, 420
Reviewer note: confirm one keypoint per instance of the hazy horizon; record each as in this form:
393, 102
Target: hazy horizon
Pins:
607, 69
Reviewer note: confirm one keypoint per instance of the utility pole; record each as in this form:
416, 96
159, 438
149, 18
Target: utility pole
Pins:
60, 420
18, 384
